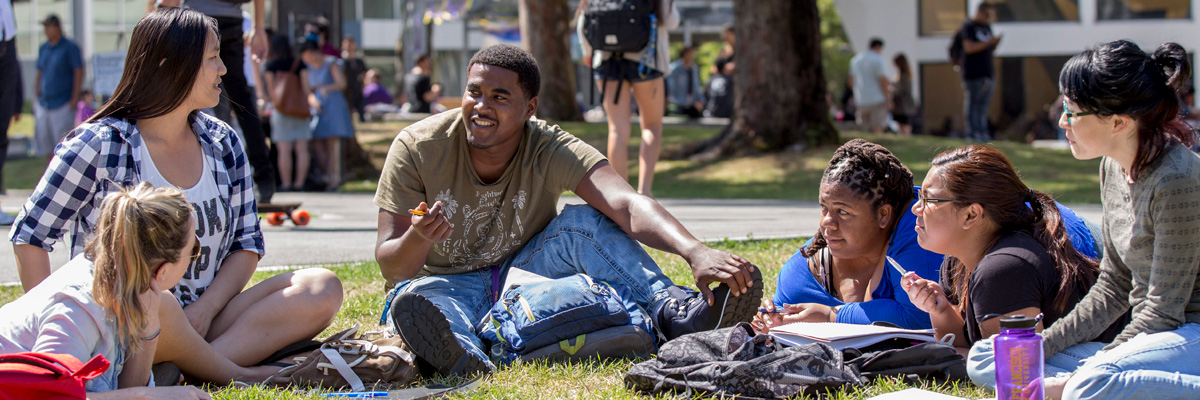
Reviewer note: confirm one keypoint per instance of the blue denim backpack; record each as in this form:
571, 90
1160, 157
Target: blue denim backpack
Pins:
569, 318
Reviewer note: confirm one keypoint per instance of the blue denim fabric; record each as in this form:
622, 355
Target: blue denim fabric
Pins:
578, 240
1158, 366
464, 298
976, 99
107, 381
982, 368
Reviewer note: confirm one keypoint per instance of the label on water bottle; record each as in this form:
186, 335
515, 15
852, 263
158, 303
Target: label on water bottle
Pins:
1018, 369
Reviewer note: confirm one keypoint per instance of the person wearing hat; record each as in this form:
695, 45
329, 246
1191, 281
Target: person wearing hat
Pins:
59, 78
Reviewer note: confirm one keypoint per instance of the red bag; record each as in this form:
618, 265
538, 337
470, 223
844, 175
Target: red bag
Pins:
46, 376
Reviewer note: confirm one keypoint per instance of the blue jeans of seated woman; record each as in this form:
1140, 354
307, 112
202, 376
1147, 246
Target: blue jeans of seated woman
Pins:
1159, 366
579, 240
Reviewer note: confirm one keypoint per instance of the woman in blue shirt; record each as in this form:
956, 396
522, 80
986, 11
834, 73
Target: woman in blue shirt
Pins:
842, 275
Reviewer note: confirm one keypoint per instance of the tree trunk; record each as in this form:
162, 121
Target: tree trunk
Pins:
545, 29
779, 85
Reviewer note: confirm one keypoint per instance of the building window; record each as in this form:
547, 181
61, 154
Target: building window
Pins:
1143, 9
941, 17
379, 9
1031, 11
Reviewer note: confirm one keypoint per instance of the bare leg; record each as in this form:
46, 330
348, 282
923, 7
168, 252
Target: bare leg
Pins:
650, 96
284, 150
279, 311
334, 147
180, 344
302, 164
322, 155
618, 126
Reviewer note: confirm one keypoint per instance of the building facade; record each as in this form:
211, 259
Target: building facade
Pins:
1039, 36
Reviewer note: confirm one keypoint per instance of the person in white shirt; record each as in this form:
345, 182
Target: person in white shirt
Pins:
111, 301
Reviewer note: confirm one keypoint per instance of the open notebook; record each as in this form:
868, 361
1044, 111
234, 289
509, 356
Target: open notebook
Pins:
841, 335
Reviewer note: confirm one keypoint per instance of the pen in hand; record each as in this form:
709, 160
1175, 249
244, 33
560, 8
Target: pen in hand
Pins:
777, 310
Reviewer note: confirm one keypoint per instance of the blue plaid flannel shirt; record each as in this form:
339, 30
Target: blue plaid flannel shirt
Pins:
98, 155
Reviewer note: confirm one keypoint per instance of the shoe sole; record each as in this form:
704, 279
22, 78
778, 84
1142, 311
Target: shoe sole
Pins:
426, 332
740, 308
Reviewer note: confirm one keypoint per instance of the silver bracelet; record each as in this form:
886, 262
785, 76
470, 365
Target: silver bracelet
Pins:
153, 336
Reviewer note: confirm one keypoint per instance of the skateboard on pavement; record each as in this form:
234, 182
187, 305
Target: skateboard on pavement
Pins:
277, 213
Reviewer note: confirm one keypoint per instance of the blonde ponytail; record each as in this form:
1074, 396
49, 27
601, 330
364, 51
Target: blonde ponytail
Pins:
138, 230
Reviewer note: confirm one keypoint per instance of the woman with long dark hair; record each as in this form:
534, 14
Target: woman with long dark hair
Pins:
904, 107
150, 131
1121, 106
1003, 257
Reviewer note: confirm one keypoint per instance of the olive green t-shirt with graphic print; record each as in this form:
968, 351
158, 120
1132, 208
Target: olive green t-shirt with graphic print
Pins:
429, 162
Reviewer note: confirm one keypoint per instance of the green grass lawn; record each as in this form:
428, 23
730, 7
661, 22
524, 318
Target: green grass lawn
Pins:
791, 176
588, 380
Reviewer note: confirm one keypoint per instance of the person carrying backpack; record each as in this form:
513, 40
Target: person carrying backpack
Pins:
630, 57
975, 45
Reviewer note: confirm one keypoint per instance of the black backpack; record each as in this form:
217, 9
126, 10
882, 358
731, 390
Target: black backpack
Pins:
736, 361
619, 26
956, 48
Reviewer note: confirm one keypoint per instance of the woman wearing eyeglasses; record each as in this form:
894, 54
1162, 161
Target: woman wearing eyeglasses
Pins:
1004, 257
151, 131
843, 274
1121, 106
111, 301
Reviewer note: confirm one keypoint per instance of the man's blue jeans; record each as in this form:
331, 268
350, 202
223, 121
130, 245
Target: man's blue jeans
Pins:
1159, 366
579, 240
977, 97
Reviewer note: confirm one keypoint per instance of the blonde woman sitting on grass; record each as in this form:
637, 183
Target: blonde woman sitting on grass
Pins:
112, 301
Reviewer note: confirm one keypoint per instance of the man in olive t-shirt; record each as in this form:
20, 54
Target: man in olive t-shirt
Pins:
467, 194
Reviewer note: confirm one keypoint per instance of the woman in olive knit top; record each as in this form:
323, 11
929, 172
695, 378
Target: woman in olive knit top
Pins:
1121, 105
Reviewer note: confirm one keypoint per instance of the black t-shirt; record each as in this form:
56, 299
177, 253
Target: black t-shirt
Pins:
978, 65
415, 87
354, 68
1018, 273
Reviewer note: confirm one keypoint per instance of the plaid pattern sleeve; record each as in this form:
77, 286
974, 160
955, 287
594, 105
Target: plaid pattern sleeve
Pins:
68, 189
247, 235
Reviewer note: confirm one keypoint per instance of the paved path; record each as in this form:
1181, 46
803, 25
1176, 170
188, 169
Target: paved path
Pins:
343, 226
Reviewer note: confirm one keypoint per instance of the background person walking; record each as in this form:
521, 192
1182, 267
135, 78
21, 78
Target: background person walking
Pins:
871, 87
978, 45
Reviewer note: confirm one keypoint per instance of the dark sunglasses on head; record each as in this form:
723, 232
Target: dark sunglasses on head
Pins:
196, 249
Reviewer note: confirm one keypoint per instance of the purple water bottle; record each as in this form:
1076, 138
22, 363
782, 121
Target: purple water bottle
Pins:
1019, 362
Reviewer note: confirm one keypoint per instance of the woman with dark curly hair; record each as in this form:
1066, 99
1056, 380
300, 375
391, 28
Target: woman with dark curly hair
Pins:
842, 274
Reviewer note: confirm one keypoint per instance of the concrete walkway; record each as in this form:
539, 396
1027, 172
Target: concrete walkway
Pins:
343, 226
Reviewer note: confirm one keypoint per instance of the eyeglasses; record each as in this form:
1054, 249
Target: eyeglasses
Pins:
1067, 113
196, 249
925, 201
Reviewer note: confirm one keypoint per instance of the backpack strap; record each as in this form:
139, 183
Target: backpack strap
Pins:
342, 368
93, 368
619, 70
